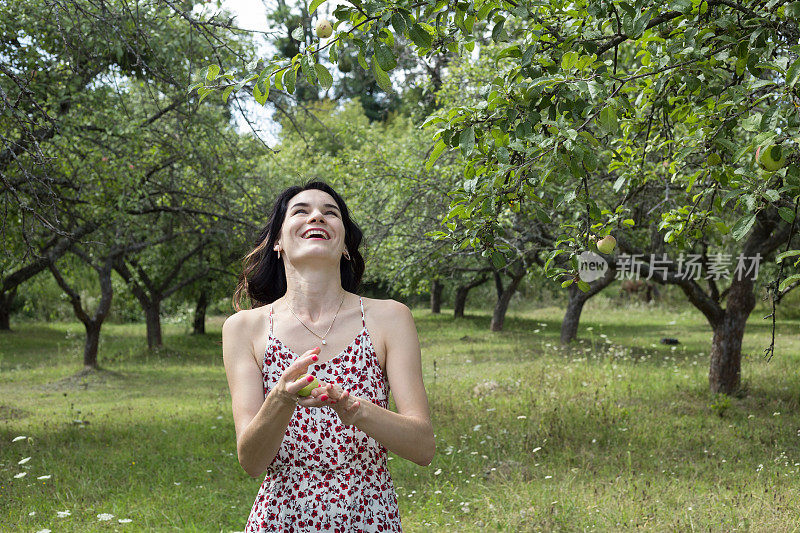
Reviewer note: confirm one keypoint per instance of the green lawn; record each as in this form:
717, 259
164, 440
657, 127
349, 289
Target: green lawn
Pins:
616, 433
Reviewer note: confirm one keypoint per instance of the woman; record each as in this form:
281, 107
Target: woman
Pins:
325, 454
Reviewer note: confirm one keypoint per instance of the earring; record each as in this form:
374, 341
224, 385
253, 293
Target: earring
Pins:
279, 253
346, 255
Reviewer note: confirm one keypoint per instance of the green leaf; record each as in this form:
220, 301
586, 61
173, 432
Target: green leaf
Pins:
289, 79
786, 214
261, 87
498, 260
788, 281
227, 92
467, 141
212, 72
497, 31
742, 226
582, 285
788, 253
437, 151
608, 120
385, 57
793, 74
314, 5
399, 24
324, 76
298, 34
420, 36
308, 69
381, 78
567, 283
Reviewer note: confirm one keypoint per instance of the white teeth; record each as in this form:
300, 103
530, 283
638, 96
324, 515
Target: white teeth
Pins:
311, 234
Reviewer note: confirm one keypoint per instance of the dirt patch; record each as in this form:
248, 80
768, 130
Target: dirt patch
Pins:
88, 378
8, 412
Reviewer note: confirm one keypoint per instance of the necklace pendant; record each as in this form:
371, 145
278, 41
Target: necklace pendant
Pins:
324, 341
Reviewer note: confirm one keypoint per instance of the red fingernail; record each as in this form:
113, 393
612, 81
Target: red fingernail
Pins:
323, 397
314, 357
310, 379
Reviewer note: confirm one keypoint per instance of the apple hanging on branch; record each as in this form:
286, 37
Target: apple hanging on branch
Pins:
607, 244
324, 29
771, 158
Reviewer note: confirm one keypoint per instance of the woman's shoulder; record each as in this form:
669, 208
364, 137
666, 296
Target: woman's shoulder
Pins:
243, 320
385, 309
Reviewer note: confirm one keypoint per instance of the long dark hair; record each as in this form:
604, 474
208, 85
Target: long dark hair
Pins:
263, 277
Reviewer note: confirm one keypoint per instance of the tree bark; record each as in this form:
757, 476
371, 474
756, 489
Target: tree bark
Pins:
500, 308
577, 298
6, 301
461, 296
91, 324
200, 314
152, 316
90, 347
724, 374
436, 296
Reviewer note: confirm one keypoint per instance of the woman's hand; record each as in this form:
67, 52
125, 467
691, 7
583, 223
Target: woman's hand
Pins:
346, 406
288, 386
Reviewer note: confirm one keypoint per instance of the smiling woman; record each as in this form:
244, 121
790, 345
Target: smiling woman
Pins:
325, 454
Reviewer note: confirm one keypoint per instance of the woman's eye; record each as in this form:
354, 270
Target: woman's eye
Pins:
331, 213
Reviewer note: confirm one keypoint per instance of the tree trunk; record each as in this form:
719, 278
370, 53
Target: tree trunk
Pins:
92, 343
500, 308
572, 318
461, 296
6, 301
460, 301
724, 375
152, 315
436, 296
200, 314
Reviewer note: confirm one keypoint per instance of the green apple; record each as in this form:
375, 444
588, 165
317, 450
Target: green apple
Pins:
306, 391
324, 29
606, 244
771, 158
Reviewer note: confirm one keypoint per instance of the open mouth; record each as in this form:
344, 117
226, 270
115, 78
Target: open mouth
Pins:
316, 234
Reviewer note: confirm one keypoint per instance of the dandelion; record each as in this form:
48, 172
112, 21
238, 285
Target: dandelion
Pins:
104, 517
21, 474
48, 476
63, 514
21, 437
22, 462
124, 520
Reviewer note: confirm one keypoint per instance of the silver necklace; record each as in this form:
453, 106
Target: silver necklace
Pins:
329, 327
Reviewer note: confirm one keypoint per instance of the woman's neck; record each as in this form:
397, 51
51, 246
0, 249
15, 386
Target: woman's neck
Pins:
313, 294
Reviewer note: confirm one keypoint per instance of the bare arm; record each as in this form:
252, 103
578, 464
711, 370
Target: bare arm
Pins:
260, 422
409, 432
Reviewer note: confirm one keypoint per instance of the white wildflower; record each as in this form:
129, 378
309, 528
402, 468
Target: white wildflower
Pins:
22, 462
105, 517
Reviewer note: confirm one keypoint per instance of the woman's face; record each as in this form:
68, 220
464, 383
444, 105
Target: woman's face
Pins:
312, 228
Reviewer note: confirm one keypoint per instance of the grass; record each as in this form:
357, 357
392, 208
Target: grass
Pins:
616, 433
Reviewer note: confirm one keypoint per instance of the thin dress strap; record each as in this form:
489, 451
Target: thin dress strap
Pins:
363, 322
270, 321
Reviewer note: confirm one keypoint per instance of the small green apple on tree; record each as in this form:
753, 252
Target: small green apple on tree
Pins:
771, 158
324, 29
607, 244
